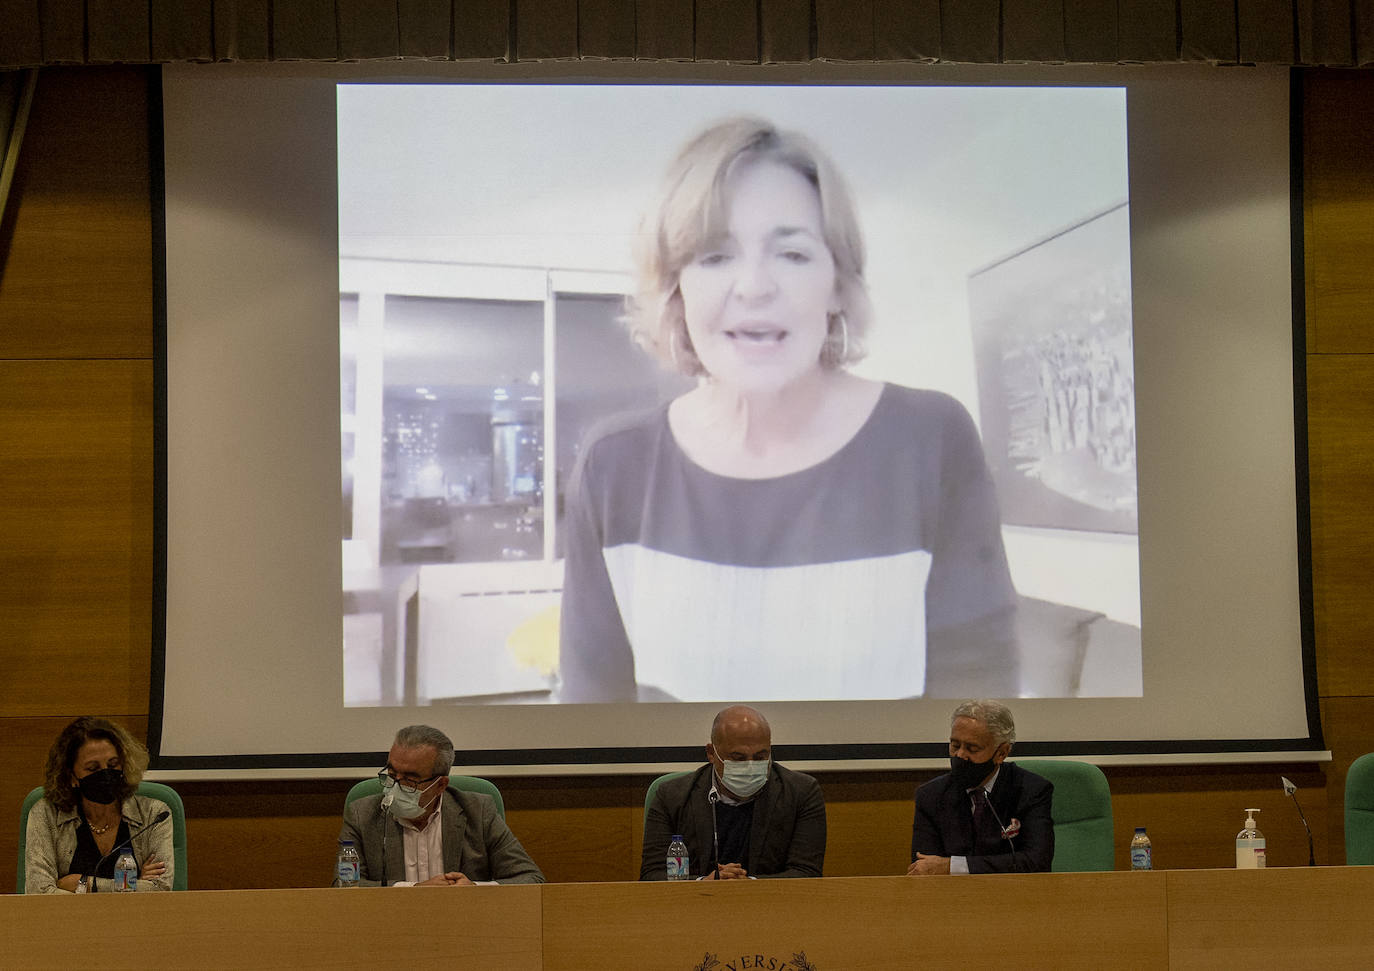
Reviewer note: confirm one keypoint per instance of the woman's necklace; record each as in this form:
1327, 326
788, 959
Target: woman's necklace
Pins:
100, 830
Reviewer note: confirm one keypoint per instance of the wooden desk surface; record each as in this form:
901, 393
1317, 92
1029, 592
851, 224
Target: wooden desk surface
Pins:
1290, 917
1278, 918
857, 922
489, 927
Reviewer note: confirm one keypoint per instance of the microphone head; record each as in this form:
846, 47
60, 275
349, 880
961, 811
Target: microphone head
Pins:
1288, 787
388, 799
713, 796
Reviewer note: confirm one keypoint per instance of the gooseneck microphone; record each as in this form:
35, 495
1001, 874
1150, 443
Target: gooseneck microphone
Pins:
987, 801
1291, 791
123, 843
713, 797
387, 800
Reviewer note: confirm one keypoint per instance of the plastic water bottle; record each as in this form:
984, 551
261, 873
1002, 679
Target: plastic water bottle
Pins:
1250, 844
679, 866
350, 864
1140, 850
125, 872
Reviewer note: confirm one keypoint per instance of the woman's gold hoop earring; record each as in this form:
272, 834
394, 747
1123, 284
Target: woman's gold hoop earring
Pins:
679, 347
837, 359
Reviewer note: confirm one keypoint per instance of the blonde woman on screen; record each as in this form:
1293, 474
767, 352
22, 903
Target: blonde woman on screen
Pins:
785, 529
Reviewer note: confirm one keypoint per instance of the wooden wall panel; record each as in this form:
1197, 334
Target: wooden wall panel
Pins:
262, 835
76, 563
90, 205
77, 277
1338, 179
1192, 813
1341, 460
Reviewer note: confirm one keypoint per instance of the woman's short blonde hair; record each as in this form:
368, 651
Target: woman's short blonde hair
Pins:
57, 774
692, 213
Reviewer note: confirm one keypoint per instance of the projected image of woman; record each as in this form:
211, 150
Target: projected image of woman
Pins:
785, 529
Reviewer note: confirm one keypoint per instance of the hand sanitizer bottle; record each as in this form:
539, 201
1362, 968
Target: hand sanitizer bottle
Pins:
1250, 844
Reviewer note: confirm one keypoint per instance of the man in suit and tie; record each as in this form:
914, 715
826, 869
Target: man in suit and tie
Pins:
986, 815
420, 832
769, 821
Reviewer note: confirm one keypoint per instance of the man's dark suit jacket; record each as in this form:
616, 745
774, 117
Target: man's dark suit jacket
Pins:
477, 842
786, 837
944, 823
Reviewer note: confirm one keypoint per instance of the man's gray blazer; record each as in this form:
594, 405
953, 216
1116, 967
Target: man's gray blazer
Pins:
786, 838
477, 842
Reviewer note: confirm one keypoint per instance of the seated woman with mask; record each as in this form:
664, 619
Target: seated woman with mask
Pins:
90, 811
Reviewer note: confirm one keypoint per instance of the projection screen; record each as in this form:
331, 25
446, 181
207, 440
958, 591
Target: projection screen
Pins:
395, 322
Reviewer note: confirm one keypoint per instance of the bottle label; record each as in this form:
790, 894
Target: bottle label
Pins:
1140, 858
348, 871
125, 879
677, 868
1249, 854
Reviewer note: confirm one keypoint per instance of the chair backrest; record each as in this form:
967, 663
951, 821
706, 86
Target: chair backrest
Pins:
1082, 810
153, 790
468, 783
1359, 812
653, 786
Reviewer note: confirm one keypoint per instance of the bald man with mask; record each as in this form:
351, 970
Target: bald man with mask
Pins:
770, 820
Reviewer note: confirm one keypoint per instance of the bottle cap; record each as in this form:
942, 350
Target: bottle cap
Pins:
1140, 829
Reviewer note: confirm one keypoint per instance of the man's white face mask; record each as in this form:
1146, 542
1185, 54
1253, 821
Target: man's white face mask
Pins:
405, 803
745, 779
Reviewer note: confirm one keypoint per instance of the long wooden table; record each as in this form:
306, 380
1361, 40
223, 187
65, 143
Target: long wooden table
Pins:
1167, 919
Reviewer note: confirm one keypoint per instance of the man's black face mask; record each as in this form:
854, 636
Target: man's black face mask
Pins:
967, 774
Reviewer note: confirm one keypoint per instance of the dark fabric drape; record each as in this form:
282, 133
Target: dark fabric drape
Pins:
1090, 31
1264, 31
906, 30
1033, 30
606, 28
242, 30
1303, 32
21, 42
181, 30
1208, 31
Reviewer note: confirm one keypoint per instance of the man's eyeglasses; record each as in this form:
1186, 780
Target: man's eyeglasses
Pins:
388, 780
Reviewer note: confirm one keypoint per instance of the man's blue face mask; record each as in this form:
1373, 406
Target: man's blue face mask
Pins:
745, 779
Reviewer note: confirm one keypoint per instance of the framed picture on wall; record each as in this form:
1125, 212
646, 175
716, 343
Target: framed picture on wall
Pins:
1056, 380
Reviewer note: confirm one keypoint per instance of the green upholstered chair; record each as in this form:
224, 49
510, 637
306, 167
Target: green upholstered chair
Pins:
1082, 811
1359, 812
153, 790
653, 787
468, 783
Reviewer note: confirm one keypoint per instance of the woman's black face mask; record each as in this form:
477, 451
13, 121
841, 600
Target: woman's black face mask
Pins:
102, 786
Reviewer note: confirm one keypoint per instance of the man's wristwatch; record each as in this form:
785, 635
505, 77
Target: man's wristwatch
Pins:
81, 885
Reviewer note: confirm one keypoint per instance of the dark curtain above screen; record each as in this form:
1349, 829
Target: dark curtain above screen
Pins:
1301, 32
